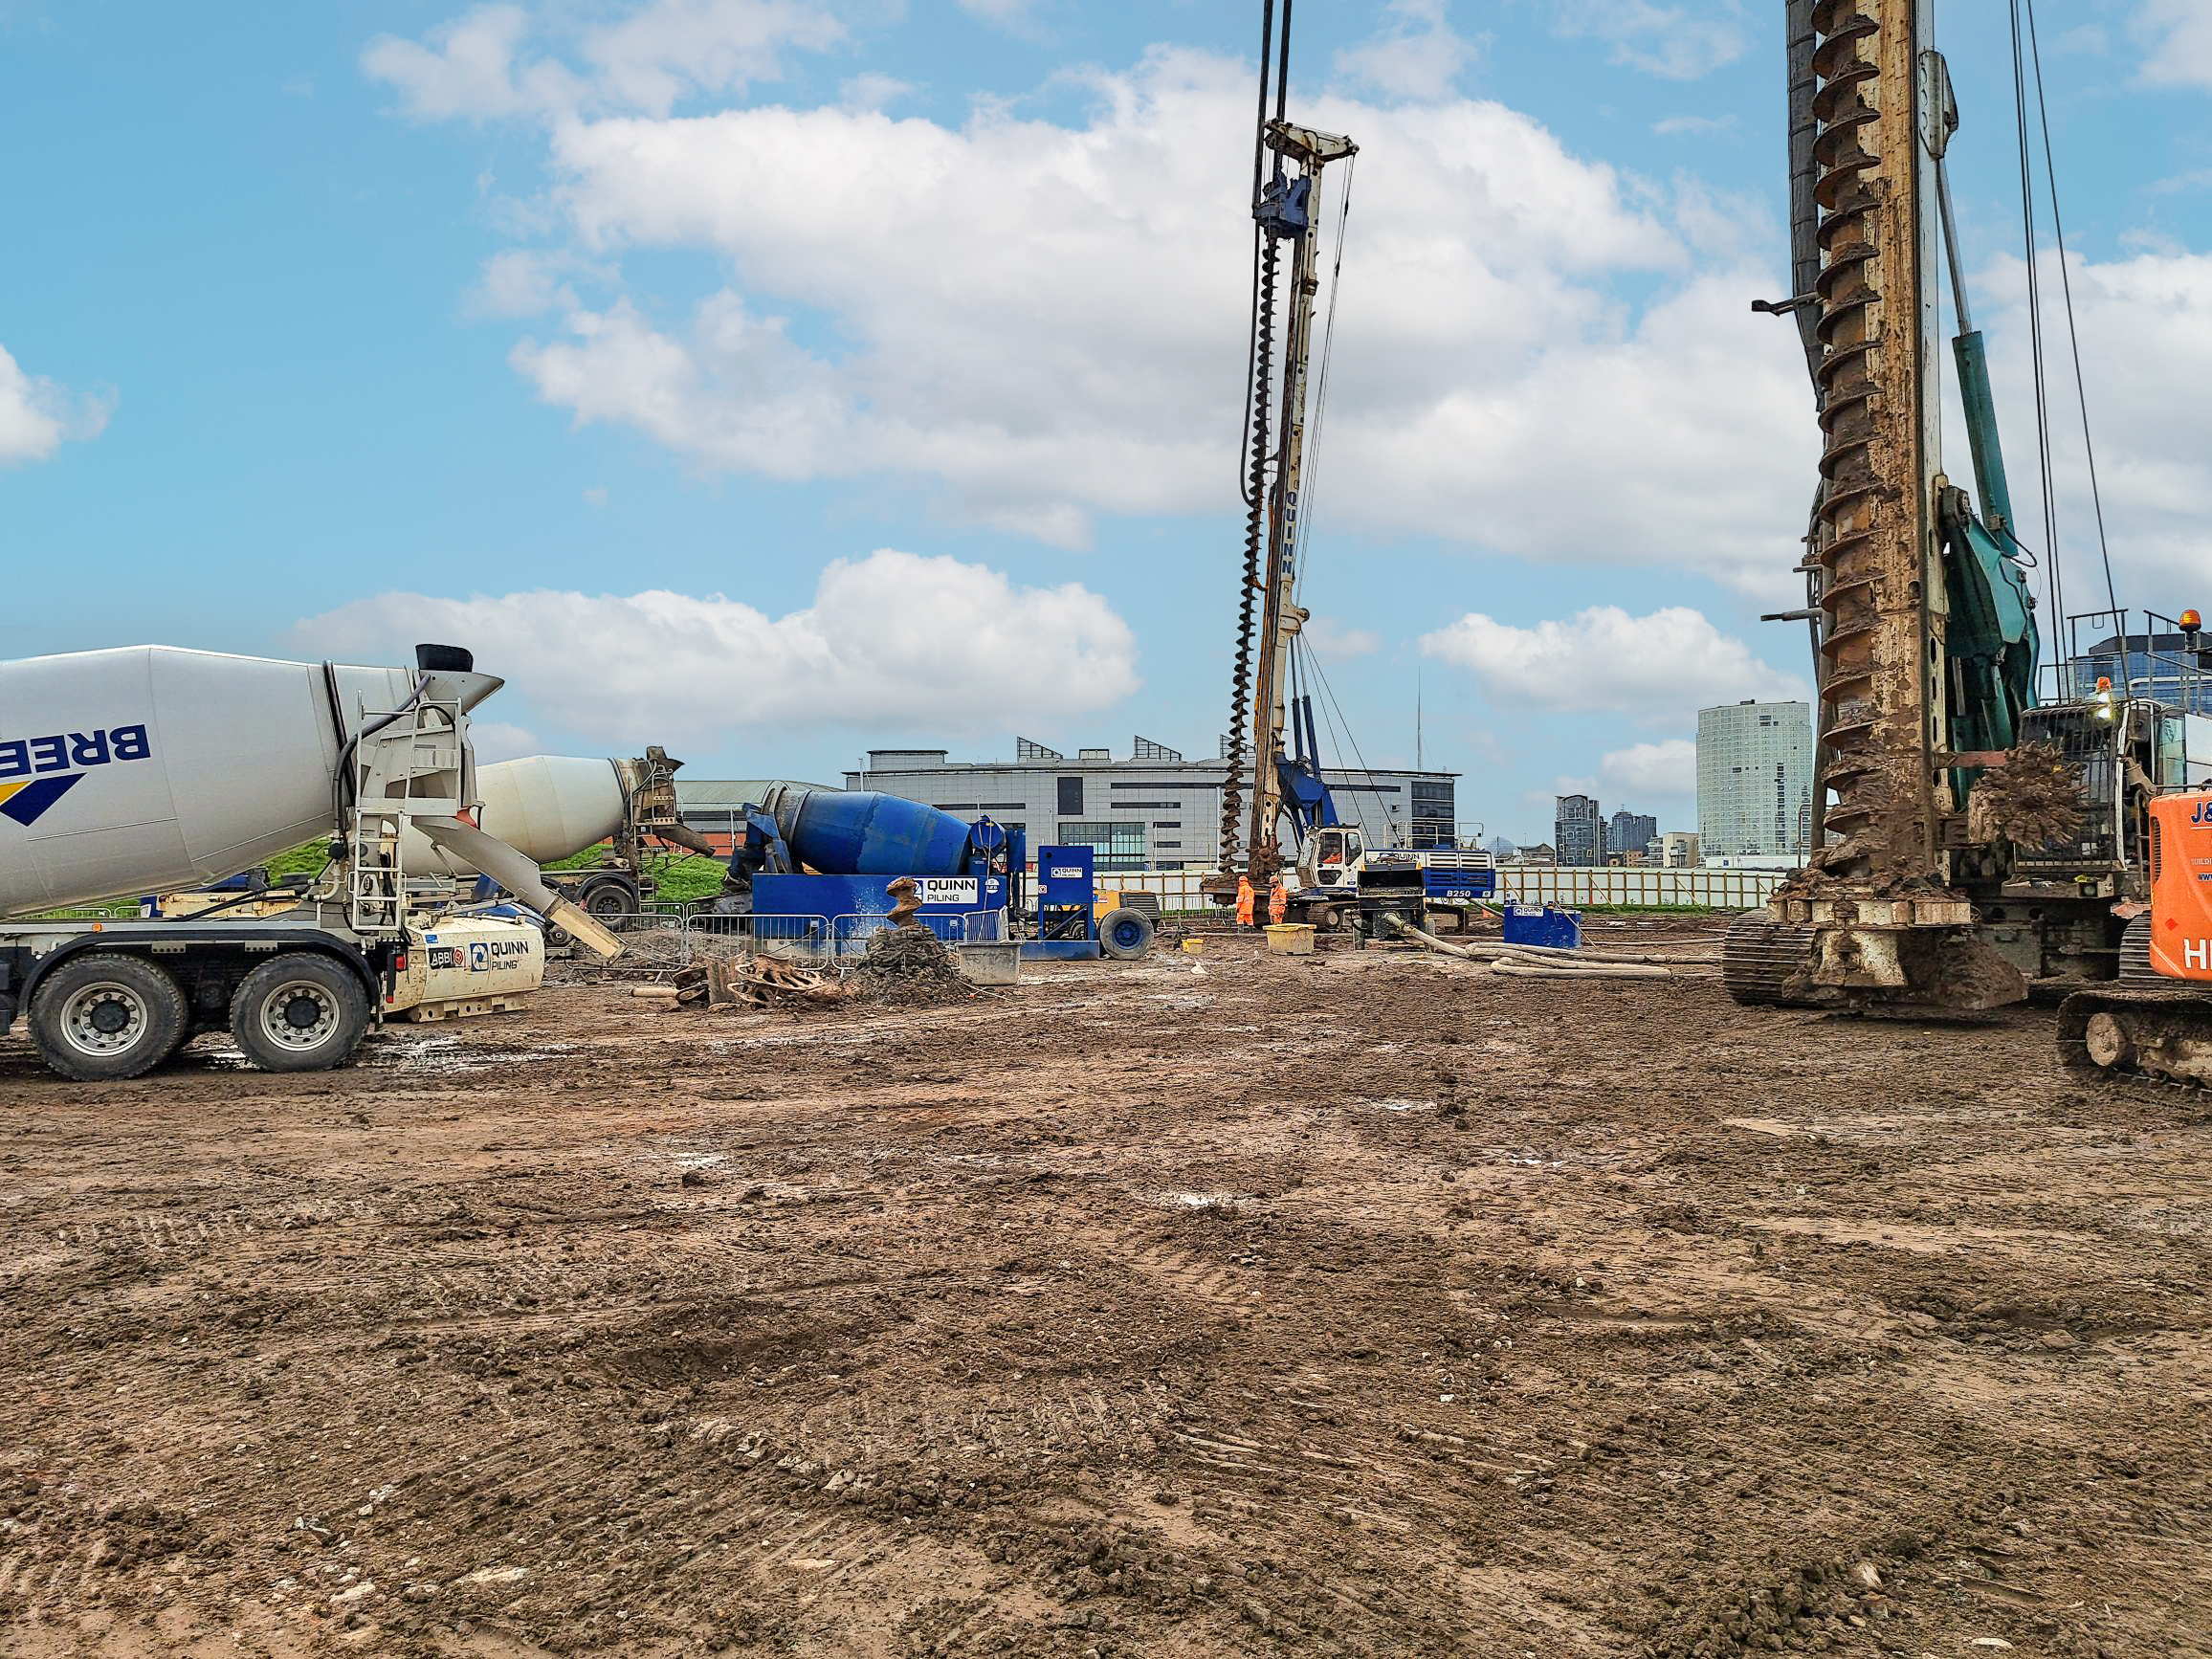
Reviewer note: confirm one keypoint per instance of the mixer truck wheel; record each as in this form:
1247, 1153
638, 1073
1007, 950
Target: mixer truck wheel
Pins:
104, 1016
609, 902
1125, 935
299, 1013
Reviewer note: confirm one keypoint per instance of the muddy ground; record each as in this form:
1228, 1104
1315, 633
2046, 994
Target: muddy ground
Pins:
1357, 1305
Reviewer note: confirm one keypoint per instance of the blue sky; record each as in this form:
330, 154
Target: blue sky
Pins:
332, 326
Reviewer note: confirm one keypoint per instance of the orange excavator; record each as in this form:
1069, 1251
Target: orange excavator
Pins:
2154, 1024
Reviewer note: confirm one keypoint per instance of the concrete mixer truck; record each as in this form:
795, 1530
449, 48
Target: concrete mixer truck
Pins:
140, 771
553, 807
816, 866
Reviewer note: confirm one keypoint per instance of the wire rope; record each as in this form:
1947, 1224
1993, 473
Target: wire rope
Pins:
2066, 289
2053, 582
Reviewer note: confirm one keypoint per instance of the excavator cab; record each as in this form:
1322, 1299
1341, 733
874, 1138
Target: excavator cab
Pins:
1334, 856
2181, 930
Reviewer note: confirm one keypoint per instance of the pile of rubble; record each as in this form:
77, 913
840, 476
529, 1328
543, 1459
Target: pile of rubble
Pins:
761, 982
912, 967
904, 966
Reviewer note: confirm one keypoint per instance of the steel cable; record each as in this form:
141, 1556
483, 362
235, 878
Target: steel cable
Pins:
2066, 289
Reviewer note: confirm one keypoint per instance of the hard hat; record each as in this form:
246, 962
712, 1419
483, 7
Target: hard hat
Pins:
2104, 682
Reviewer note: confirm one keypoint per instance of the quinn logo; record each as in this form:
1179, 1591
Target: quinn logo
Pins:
35, 772
490, 953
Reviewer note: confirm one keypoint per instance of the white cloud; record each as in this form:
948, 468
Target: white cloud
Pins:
873, 91
502, 740
736, 392
2176, 37
1334, 642
2146, 343
36, 416
1417, 55
481, 65
1044, 322
893, 640
1659, 668
468, 69
596, 495
1643, 770
1701, 125
529, 282
1679, 42
674, 47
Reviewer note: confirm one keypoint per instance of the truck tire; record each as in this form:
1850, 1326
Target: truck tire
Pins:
1124, 934
607, 901
105, 1016
299, 1012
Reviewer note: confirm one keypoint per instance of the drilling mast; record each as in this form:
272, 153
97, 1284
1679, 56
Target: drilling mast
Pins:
1286, 192
1875, 918
1290, 219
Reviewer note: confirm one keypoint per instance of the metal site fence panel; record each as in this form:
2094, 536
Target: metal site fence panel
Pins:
801, 939
640, 920
850, 934
1173, 889
1631, 886
1178, 890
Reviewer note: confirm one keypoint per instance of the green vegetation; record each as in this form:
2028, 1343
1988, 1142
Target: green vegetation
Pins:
678, 877
685, 876
305, 859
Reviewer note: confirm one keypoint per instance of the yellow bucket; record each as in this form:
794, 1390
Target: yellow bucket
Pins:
1194, 946
1291, 939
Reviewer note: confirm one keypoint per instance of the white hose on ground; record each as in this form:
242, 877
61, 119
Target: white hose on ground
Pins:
1487, 950
1523, 968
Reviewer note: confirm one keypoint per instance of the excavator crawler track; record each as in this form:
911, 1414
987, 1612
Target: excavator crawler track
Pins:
1765, 962
2159, 1036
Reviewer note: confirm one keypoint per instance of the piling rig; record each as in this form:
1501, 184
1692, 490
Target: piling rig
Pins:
1287, 167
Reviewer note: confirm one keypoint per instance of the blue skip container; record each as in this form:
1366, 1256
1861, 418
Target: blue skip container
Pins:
1543, 924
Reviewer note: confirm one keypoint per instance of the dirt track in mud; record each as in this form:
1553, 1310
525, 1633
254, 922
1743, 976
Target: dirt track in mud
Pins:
1357, 1305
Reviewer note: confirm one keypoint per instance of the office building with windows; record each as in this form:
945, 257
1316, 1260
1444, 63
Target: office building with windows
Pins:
1630, 832
1754, 782
1579, 833
1149, 809
2173, 669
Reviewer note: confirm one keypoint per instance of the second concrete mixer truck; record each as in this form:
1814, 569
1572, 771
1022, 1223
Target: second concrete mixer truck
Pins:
145, 769
554, 807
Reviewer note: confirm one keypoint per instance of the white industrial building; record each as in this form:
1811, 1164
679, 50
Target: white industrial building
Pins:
1755, 784
1149, 809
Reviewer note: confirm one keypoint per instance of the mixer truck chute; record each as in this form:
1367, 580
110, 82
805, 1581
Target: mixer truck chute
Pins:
553, 807
132, 771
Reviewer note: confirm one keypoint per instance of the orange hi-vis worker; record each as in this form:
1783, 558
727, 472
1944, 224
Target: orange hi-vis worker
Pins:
1278, 902
1244, 901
